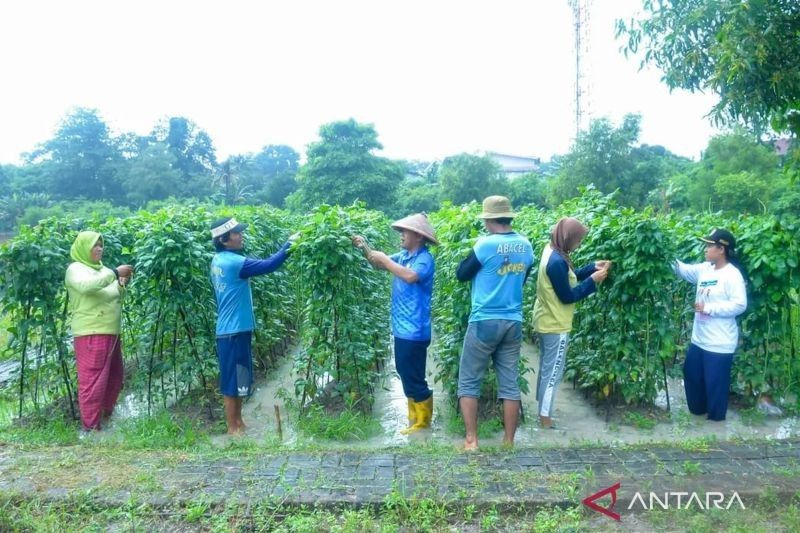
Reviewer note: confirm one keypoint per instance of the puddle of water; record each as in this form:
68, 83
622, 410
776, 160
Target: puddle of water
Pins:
132, 406
578, 421
258, 412
391, 408
8, 371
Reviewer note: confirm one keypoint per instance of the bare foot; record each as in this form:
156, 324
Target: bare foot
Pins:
508, 444
470, 446
545, 422
235, 432
241, 426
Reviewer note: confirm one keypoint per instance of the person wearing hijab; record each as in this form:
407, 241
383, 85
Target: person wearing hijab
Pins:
95, 308
558, 287
412, 272
720, 297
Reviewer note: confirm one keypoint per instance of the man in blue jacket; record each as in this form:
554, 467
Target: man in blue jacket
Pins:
230, 274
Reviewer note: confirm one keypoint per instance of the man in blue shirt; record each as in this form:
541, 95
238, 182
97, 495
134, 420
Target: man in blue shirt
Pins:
412, 288
498, 266
230, 274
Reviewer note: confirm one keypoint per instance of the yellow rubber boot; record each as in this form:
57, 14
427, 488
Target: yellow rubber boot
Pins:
412, 411
424, 414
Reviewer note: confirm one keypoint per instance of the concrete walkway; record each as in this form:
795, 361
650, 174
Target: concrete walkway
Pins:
526, 477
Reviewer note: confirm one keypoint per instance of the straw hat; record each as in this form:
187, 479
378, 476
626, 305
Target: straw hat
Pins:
497, 207
418, 224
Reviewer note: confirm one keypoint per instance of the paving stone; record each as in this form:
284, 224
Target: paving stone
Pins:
525, 460
667, 454
564, 468
275, 463
597, 456
745, 451
638, 468
370, 494
382, 460
349, 459
710, 454
524, 477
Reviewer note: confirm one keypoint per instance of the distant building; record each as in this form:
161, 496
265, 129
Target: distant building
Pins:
515, 165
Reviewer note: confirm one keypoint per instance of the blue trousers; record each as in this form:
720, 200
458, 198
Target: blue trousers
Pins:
409, 359
707, 380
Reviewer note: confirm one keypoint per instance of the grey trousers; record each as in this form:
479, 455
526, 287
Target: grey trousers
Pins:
552, 360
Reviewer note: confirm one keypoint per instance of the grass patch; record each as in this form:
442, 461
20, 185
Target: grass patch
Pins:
77, 513
83, 511
567, 485
558, 519
691, 468
638, 420
486, 428
418, 514
40, 431
699, 444
791, 470
682, 420
752, 417
350, 424
764, 515
161, 431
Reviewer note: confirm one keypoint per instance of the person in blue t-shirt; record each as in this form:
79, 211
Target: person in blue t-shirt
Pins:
230, 274
498, 266
412, 287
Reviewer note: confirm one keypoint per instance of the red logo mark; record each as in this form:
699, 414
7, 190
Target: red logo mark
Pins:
589, 501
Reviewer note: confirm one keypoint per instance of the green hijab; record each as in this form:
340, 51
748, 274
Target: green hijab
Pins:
81, 250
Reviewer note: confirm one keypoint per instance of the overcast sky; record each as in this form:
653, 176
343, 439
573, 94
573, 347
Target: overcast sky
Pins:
435, 77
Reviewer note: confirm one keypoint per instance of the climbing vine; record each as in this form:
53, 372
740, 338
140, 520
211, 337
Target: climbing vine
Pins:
345, 329
168, 309
626, 341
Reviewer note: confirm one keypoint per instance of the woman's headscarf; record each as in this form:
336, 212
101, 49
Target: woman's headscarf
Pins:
81, 250
566, 236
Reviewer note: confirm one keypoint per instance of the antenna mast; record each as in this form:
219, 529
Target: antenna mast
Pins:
580, 14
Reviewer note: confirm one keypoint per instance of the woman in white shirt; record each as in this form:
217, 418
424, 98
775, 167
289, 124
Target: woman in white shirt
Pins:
720, 298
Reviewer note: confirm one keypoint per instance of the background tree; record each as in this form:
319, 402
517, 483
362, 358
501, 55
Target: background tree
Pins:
80, 161
604, 156
653, 167
419, 191
736, 173
194, 153
228, 179
341, 168
465, 177
270, 174
14, 206
151, 175
745, 51
5, 180
528, 189
415, 196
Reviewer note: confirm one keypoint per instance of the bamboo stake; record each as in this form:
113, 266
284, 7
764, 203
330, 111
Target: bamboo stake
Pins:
278, 418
